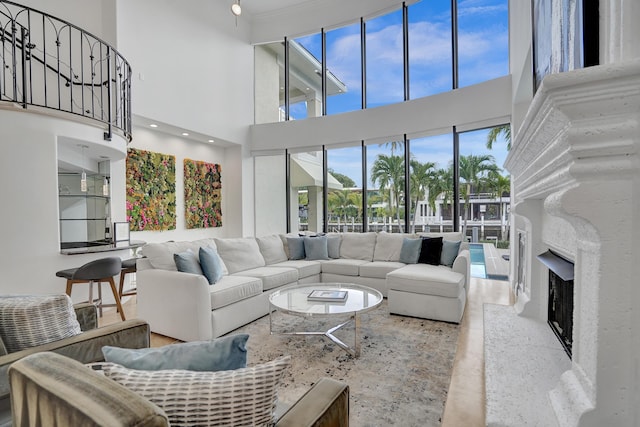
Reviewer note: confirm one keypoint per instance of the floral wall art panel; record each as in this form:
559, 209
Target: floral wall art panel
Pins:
202, 194
151, 190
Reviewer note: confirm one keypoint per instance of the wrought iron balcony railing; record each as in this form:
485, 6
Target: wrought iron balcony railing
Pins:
50, 63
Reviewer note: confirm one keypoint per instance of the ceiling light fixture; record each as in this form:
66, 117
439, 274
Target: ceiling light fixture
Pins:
153, 125
185, 134
236, 9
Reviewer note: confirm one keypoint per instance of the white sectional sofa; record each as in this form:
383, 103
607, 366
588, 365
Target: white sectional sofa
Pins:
185, 306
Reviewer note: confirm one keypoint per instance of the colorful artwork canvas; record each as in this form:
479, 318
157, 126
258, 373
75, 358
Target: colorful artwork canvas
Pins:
202, 194
151, 190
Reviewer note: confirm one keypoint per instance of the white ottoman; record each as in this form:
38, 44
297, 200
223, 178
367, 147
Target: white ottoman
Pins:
427, 291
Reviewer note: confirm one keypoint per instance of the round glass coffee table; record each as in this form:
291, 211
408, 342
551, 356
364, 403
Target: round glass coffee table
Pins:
332, 300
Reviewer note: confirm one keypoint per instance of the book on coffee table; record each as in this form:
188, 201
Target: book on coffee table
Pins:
328, 296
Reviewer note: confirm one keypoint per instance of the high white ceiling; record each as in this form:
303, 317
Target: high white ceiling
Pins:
258, 7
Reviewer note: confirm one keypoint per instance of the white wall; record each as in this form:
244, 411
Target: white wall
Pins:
29, 193
181, 148
472, 107
192, 67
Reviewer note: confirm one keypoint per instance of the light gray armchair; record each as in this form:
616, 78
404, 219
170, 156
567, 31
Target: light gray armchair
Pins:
85, 347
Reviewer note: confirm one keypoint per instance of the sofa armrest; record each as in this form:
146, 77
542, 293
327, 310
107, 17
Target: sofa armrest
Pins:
62, 392
462, 265
85, 347
325, 404
87, 315
175, 304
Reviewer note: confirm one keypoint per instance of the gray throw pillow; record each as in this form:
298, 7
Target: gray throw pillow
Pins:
212, 265
220, 354
187, 262
296, 247
449, 252
316, 247
410, 251
333, 246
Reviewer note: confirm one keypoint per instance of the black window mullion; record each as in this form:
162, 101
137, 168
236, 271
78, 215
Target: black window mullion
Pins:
363, 61
456, 180
407, 184
323, 37
365, 195
286, 79
454, 43
405, 48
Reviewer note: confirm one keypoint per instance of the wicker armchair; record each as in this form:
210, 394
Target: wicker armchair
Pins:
85, 347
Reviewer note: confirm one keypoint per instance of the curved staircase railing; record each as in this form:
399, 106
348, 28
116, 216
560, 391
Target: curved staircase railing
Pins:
50, 63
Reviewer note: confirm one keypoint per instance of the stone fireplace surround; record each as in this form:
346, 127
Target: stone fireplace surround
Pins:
575, 174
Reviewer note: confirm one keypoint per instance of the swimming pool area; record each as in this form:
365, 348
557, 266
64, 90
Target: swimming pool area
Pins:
478, 267
499, 267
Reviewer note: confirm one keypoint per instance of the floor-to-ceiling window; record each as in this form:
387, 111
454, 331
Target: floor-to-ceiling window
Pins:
385, 171
307, 191
430, 48
384, 60
305, 77
345, 205
344, 69
484, 185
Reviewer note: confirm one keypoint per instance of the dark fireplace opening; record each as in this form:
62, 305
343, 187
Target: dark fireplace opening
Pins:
560, 307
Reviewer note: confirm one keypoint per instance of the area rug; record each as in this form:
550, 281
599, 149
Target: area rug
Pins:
401, 377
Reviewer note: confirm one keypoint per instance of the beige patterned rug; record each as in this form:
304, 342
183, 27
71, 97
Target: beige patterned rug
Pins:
401, 377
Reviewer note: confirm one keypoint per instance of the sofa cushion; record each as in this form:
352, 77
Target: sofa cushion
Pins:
187, 262
272, 249
379, 269
346, 267
426, 279
272, 277
160, 255
389, 246
220, 354
449, 252
244, 396
358, 246
315, 248
240, 254
305, 268
410, 251
211, 263
431, 250
231, 289
31, 320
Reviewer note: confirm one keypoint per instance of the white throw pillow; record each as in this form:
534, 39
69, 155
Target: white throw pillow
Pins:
358, 245
31, 320
240, 254
272, 249
245, 396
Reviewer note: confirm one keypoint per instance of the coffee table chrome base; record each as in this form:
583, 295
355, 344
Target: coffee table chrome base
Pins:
354, 351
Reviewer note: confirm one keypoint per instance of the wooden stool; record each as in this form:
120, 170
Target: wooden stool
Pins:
128, 266
98, 271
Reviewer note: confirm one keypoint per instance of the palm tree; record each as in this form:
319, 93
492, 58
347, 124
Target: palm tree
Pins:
394, 145
495, 132
339, 201
443, 184
388, 172
473, 172
500, 184
422, 174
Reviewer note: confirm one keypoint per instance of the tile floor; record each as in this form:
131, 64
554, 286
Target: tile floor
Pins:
465, 404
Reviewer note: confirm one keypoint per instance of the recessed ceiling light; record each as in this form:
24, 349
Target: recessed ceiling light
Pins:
153, 125
185, 134
211, 140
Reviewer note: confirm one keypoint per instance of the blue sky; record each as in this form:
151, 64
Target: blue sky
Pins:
483, 55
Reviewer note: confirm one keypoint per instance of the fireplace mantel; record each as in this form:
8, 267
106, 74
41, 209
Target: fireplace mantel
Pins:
575, 174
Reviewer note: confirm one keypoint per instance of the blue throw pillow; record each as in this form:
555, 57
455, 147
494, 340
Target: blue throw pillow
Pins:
296, 247
449, 252
316, 247
211, 263
187, 262
220, 354
431, 250
410, 251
